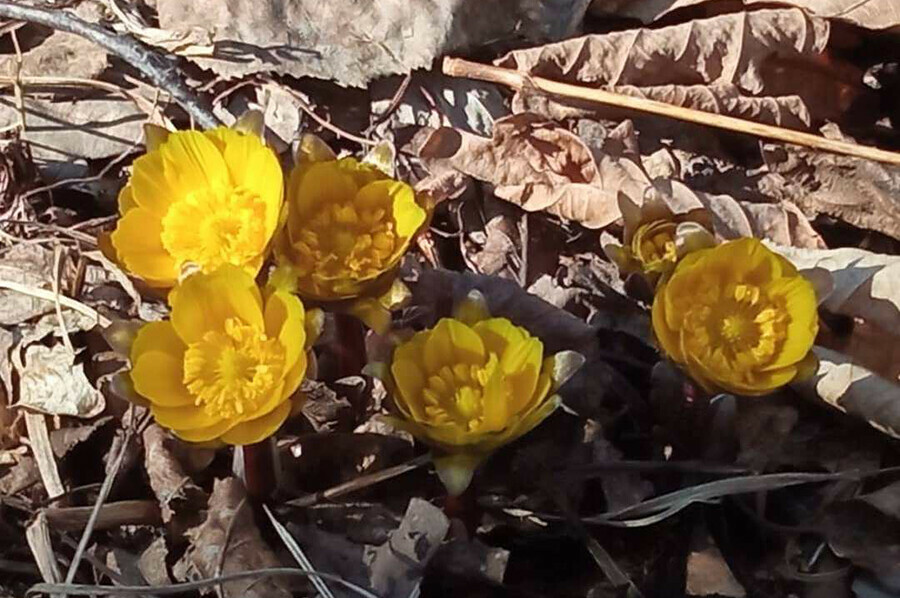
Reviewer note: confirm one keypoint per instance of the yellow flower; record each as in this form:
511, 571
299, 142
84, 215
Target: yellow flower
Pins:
655, 239
198, 200
738, 317
226, 364
348, 226
470, 385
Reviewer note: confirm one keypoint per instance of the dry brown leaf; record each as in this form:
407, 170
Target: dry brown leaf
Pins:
353, 43
28, 265
866, 285
229, 542
873, 14
63, 134
60, 54
52, 383
540, 166
863, 193
854, 390
395, 567
175, 491
740, 64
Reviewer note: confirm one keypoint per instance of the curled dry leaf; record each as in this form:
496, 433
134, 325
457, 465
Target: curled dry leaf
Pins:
854, 390
538, 165
229, 542
52, 383
734, 64
865, 285
351, 43
873, 14
860, 192
176, 492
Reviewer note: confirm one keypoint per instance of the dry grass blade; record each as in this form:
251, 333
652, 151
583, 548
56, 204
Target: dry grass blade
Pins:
297, 553
456, 67
183, 588
656, 509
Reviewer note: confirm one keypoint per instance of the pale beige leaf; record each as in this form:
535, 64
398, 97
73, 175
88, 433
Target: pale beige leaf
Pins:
872, 14
854, 390
743, 64
352, 42
540, 166
863, 193
51, 382
866, 285
229, 542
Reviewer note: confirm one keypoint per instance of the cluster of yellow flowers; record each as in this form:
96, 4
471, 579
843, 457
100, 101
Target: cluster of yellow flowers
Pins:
737, 316
200, 215
204, 211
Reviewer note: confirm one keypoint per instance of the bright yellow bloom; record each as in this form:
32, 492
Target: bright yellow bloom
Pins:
226, 364
198, 200
738, 317
467, 387
348, 226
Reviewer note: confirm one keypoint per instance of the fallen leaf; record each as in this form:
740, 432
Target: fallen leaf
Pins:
866, 531
176, 492
854, 390
539, 166
865, 285
860, 192
738, 64
352, 44
52, 383
872, 14
229, 542
708, 574
396, 567
67, 438
64, 134
59, 54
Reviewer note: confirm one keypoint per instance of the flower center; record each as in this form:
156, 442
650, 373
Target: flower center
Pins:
455, 394
215, 226
740, 330
233, 372
343, 241
654, 244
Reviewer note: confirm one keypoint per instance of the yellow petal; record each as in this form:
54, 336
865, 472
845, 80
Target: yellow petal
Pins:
409, 382
294, 377
158, 377
371, 313
499, 333
182, 418
408, 215
521, 364
138, 245
452, 342
126, 200
192, 161
150, 188
157, 336
204, 301
256, 430
322, 183
498, 402
255, 167
800, 301
206, 434
284, 319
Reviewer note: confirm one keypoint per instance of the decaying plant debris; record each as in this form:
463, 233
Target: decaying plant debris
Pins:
637, 487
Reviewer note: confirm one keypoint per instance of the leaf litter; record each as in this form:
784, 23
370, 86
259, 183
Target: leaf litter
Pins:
530, 190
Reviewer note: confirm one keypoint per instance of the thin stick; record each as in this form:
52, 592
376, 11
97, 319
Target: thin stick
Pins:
190, 586
95, 514
157, 67
360, 482
52, 297
455, 67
